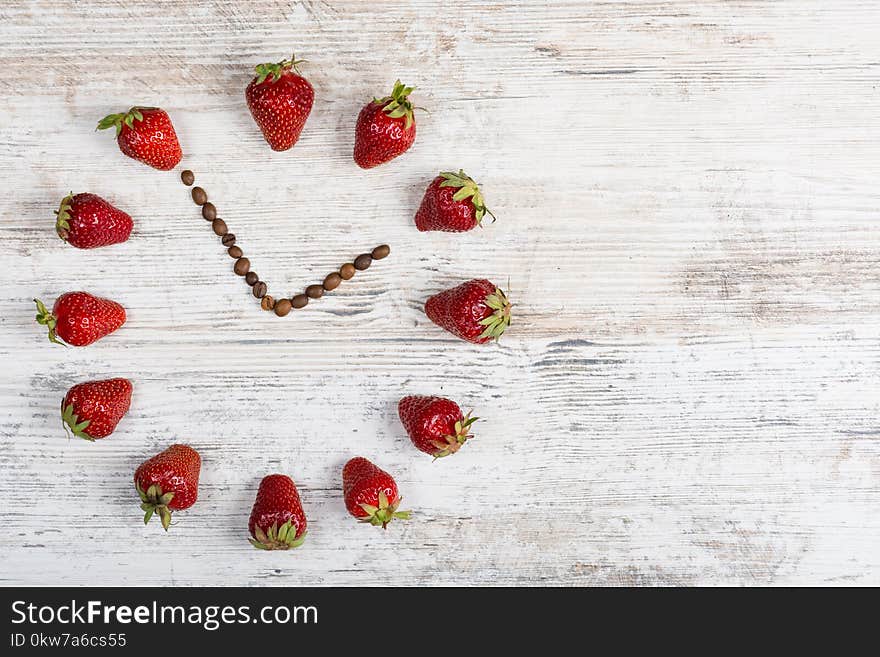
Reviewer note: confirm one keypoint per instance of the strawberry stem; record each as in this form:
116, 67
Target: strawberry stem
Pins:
62, 217
154, 501
45, 318
117, 120
385, 512
71, 420
452, 443
277, 70
499, 320
467, 188
277, 538
397, 104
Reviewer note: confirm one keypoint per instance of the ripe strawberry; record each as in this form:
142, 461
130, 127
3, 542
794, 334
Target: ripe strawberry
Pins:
168, 482
79, 318
146, 135
385, 128
370, 493
452, 203
93, 409
87, 221
280, 101
435, 425
476, 311
277, 520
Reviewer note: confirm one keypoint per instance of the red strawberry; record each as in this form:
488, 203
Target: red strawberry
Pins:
371, 493
168, 482
435, 425
87, 221
280, 100
476, 311
452, 203
277, 520
146, 135
79, 319
93, 409
385, 128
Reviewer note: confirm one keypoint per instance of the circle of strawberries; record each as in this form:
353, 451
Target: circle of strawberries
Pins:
280, 100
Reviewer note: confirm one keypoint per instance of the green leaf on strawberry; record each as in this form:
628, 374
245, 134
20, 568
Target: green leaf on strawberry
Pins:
71, 422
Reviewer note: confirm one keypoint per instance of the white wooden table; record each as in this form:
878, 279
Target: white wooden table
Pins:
687, 196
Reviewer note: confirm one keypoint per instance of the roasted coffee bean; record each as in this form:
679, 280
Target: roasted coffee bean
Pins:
267, 303
200, 196
332, 281
209, 212
219, 227
363, 261
251, 278
228, 239
315, 291
346, 271
282, 307
381, 251
234, 251
241, 266
187, 177
299, 301
259, 289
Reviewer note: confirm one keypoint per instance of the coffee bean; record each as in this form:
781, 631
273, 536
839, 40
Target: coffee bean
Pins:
219, 227
228, 239
346, 271
251, 278
267, 303
209, 212
234, 251
299, 301
381, 251
200, 196
315, 291
363, 261
332, 281
259, 289
187, 177
282, 307
241, 266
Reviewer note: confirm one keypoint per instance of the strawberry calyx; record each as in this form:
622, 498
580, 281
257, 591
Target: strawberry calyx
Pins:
45, 318
72, 424
467, 188
397, 104
385, 512
117, 120
499, 320
277, 70
277, 538
153, 500
452, 443
62, 217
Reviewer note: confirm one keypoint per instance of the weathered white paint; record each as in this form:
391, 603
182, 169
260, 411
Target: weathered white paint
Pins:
687, 199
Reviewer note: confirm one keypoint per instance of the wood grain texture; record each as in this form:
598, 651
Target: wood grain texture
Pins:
687, 199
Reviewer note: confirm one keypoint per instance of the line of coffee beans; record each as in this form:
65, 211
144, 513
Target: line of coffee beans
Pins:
242, 265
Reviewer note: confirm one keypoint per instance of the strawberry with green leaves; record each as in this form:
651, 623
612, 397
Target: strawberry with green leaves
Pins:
371, 493
91, 410
476, 311
146, 135
168, 482
435, 425
280, 100
277, 520
385, 128
87, 221
452, 203
79, 318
